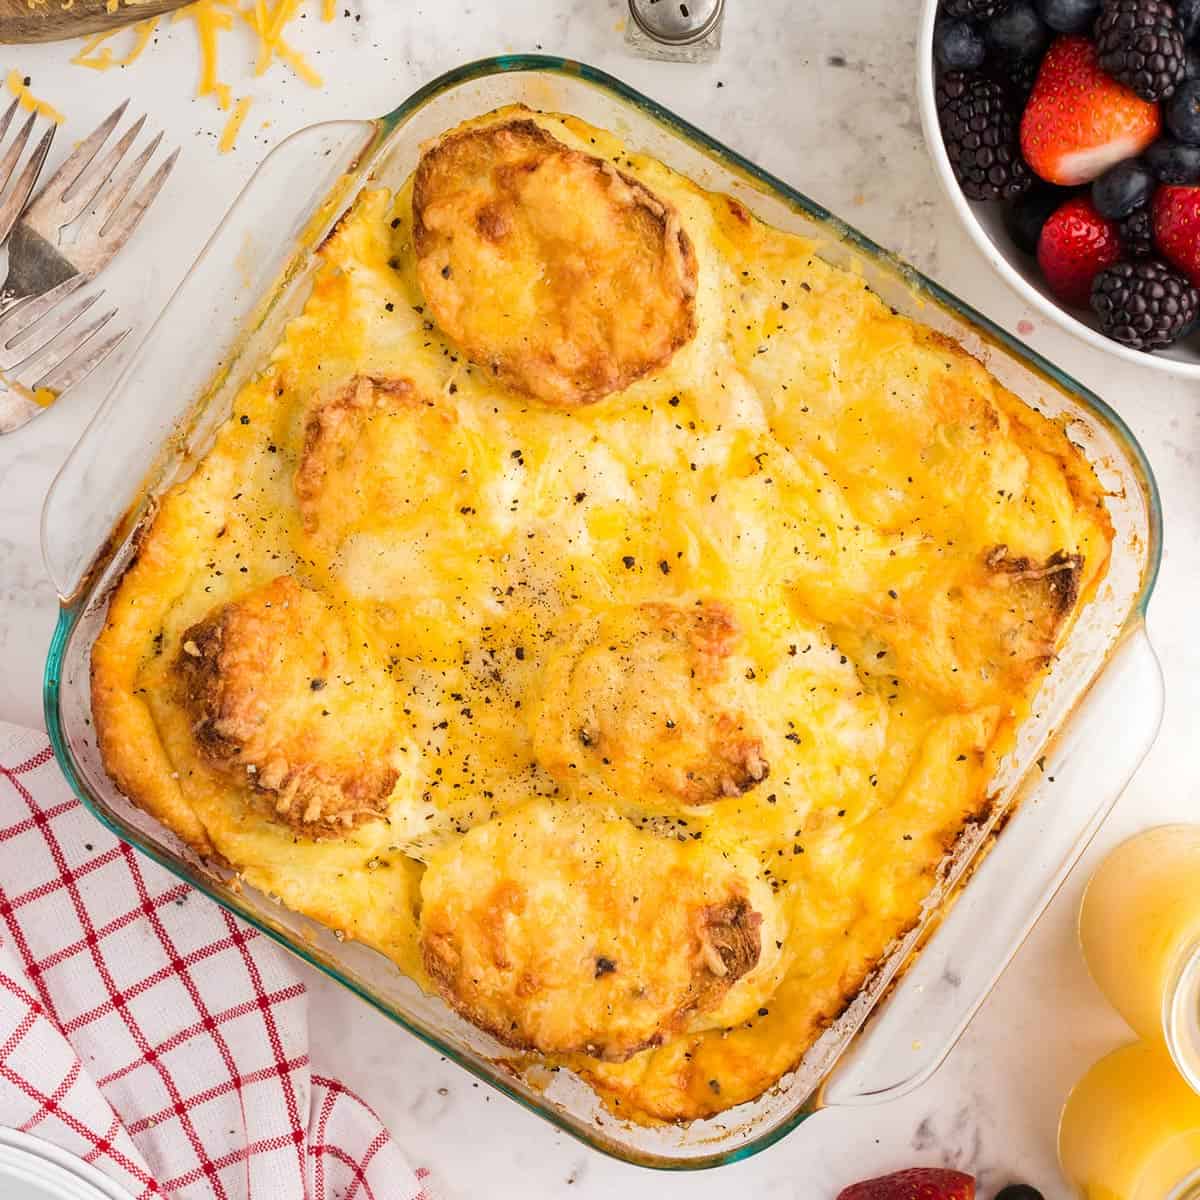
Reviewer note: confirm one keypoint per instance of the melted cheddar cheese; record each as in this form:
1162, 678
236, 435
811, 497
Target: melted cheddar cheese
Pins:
616, 634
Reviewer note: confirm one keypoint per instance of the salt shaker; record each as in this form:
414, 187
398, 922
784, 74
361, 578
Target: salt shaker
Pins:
675, 30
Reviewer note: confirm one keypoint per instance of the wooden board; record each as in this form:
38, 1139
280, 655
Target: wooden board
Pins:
48, 21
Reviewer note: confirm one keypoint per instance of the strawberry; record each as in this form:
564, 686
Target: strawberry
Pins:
917, 1183
1075, 245
1079, 121
1176, 214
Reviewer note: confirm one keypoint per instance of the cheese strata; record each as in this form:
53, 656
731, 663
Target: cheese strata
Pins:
601, 606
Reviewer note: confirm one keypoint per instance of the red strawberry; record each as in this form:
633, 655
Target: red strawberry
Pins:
1079, 121
1075, 245
917, 1183
1176, 213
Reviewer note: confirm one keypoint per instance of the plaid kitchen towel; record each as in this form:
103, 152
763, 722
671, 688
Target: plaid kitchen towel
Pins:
148, 1032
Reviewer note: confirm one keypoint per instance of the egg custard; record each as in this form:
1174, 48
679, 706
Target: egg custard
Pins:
601, 606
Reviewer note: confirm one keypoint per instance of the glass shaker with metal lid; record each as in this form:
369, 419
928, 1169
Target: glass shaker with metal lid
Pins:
675, 30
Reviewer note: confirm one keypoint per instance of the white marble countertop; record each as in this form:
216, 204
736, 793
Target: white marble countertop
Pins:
821, 95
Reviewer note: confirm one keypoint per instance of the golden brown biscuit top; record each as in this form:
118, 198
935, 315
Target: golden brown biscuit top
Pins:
563, 277
644, 703
562, 928
275, 703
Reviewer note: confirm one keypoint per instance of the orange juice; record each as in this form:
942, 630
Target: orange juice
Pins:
1140, 930
1131, 1129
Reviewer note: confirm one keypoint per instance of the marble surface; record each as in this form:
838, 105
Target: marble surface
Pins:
822, 95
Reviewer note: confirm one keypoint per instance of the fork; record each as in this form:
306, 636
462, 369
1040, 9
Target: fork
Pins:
89, 194
14, 198
44, 350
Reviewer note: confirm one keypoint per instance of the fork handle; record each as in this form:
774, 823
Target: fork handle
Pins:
22, 22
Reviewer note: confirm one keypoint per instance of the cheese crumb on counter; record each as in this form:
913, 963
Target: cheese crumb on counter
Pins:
19, 86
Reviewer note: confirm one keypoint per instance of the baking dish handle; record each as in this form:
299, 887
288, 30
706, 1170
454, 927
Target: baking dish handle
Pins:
1082, 775
282, 210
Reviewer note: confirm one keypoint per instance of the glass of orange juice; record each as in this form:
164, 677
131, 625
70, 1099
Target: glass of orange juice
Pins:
1140, 930
1131, 1129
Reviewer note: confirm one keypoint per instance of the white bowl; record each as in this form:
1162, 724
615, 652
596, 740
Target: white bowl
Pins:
985, 225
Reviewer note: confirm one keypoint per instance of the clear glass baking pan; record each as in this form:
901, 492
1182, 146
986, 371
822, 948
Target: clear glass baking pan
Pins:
1096, 715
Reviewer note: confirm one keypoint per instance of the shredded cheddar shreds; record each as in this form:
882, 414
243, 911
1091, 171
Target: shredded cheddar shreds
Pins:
211, 19
29, 102
286, 53
268, 20
299, 64
234, 125
97, 54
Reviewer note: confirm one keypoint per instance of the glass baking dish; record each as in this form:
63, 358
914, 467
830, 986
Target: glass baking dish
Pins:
1095, 718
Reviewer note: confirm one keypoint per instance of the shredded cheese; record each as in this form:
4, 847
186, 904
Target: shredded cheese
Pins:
29, 102
268, 20
97, 54
210, 20
234, 125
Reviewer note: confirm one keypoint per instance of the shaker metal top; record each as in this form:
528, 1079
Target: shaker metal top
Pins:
676, 21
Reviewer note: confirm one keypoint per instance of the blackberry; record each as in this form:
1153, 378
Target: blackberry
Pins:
974, 10
1140, 44
1144, 304
980, 133
1137, 234
1018, 77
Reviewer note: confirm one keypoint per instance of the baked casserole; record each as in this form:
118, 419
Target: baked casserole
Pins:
601, 606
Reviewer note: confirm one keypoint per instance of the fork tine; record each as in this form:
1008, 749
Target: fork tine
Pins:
82, 363
91, 180
118, 228
6, 120
21, 352
58, 349
73, 168
110, 197
9, 160
15, 201
26, 312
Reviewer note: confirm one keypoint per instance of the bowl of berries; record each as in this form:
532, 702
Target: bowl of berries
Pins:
1067, 136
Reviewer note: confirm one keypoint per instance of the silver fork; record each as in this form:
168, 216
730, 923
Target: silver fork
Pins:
46, 347
15, 189
89, 194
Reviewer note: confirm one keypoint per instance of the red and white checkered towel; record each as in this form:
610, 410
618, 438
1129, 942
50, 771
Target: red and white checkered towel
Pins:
148, 1032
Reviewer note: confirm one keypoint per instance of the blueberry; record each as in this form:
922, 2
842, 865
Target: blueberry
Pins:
1182, 112
1191, 63
958, 45
1173, 162
1025, 217
1019, 1191
1070, 16
1122, 188
1017, 32
1187, 13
